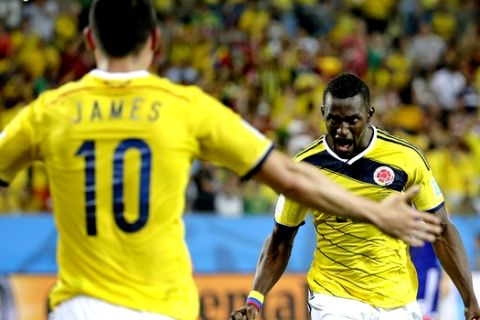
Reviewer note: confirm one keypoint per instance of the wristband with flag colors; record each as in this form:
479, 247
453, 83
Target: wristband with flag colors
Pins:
255, 299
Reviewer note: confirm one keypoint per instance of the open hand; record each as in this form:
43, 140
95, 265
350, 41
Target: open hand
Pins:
399, 219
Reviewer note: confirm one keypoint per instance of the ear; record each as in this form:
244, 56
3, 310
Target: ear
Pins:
89, 39
371, 111
155, 44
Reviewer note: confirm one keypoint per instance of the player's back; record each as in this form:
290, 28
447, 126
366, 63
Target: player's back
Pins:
118, 152
117, 148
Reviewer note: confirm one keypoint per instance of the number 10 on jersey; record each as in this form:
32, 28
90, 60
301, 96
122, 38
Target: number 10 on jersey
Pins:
87, 151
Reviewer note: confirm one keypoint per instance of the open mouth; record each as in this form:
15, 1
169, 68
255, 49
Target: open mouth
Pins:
343, 145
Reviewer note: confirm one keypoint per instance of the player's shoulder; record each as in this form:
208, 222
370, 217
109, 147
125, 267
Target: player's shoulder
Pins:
394, 141
313, 148
53, 96
50, 97
400, 145
184, 92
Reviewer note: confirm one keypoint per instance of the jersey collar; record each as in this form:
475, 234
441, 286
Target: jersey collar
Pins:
358, 156
98, 73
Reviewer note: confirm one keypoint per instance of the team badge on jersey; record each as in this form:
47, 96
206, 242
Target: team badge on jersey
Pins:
383, 176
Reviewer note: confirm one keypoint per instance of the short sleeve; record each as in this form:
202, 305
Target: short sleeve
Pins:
18, 147
289, 213
430, 196
227, 140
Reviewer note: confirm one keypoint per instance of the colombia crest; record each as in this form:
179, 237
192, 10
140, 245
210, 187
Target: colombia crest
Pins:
383, 176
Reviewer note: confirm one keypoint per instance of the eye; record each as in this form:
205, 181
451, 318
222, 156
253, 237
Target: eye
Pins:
353, 120
334, 120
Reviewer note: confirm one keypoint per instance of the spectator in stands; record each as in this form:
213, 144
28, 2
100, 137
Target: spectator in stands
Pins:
42, 15
447, 82
11, 13
427, 48
454, 166
228, 200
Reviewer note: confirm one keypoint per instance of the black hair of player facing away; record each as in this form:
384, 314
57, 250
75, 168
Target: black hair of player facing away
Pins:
121, 27
347, 85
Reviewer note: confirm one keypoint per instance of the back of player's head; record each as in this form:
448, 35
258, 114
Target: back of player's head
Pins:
121, 27
347, 85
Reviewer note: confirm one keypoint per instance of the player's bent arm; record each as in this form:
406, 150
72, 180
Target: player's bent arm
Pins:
451, 253
274, 257
306, 185
272, 262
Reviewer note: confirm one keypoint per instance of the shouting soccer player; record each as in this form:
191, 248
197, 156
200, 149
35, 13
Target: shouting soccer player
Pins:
358, 272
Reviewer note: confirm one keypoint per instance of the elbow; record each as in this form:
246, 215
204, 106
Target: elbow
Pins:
283, 175
291, 188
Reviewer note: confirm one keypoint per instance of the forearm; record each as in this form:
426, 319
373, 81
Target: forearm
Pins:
307, 186
332, 197
303, 184
451, 253
271, 264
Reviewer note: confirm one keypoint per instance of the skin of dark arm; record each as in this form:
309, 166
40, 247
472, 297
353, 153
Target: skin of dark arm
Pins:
271, 265
274, 257
451, 253
304, 184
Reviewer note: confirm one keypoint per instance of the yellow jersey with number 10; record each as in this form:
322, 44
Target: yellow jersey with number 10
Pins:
118, 150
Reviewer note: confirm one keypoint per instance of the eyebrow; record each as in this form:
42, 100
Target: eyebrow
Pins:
352, 117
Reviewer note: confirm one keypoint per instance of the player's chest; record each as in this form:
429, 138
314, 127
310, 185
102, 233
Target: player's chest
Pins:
366, 176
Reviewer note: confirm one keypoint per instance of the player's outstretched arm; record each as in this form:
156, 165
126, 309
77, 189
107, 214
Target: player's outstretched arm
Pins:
304, 184
451, 253
271, 264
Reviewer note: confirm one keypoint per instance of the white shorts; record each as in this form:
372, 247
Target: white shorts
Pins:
325, 307
87, 308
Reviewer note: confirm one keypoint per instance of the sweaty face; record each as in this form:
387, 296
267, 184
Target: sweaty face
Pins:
346, 122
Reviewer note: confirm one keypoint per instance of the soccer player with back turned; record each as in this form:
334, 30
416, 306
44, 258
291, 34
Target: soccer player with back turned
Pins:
117, 146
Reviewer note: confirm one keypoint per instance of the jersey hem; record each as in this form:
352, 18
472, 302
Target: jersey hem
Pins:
289, 225
434, 209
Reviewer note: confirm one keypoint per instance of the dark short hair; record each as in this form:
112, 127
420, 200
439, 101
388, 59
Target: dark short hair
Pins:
347, 85
121, 27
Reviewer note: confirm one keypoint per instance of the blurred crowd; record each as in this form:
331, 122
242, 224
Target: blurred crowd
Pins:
269, 61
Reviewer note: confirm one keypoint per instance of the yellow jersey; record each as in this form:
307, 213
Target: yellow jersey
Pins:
353, 259
118, 148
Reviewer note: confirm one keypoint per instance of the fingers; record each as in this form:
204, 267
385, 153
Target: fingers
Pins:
413, 241
236, 315
410, 193
430, 223
423, 231
431, 220
245, 313
420, 227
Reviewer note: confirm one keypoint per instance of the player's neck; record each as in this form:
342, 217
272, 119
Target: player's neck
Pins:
130, 63
365, 140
